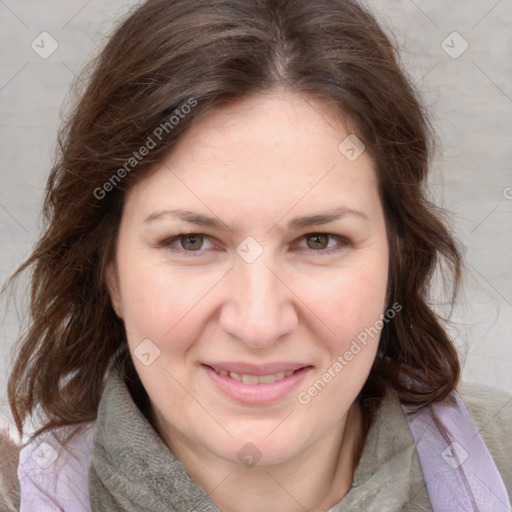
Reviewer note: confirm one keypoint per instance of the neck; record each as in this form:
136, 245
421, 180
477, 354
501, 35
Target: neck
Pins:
315, 480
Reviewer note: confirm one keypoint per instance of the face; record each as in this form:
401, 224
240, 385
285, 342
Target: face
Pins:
247, 265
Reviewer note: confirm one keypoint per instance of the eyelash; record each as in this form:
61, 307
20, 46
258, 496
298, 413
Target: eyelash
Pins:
168, 242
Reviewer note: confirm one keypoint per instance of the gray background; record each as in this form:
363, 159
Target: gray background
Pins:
470, 97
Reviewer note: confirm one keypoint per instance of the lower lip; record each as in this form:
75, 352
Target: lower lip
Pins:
257, 394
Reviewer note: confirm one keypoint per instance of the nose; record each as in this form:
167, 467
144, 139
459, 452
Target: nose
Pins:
259, 307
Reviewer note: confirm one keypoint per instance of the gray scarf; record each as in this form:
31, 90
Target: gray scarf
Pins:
132, 470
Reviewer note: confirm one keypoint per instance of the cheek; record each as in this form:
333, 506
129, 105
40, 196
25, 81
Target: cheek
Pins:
352, 309
349, 300
162, 305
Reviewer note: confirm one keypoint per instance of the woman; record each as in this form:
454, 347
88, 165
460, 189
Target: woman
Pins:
230, 299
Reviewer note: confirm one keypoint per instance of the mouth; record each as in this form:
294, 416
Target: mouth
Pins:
253, 385
255, 379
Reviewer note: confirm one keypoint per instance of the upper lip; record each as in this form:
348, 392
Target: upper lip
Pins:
255, 369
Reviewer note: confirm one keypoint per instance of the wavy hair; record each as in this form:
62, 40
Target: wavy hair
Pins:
162, 54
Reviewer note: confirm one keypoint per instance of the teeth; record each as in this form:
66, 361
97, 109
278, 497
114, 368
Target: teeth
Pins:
266, 379
255, 379
250, 379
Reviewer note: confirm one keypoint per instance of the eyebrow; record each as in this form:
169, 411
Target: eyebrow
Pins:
208, 221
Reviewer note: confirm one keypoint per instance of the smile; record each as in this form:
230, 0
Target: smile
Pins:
255, 379
251, 385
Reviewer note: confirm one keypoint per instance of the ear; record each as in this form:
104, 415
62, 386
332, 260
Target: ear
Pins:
113, 288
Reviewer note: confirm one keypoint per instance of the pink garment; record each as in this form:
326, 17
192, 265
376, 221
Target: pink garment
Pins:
53, 479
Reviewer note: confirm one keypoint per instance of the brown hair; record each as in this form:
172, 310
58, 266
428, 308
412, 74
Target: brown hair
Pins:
169, 53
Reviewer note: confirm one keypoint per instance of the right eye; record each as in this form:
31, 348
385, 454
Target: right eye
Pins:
187, 243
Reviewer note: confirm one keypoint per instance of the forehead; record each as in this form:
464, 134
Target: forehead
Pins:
274, 151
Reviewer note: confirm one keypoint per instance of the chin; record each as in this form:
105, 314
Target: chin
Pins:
262, 447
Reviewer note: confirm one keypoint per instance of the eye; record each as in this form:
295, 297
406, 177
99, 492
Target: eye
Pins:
321, 242
187, 242
192, 242
317, 240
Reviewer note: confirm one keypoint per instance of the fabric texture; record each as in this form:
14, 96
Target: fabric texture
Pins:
131, 467
53, 478
9, 485
457, 467
124, 466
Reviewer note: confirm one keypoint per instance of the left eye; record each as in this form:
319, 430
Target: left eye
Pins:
321, 242
317, 240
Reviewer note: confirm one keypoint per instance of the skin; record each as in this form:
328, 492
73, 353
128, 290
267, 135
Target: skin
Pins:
255, 165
